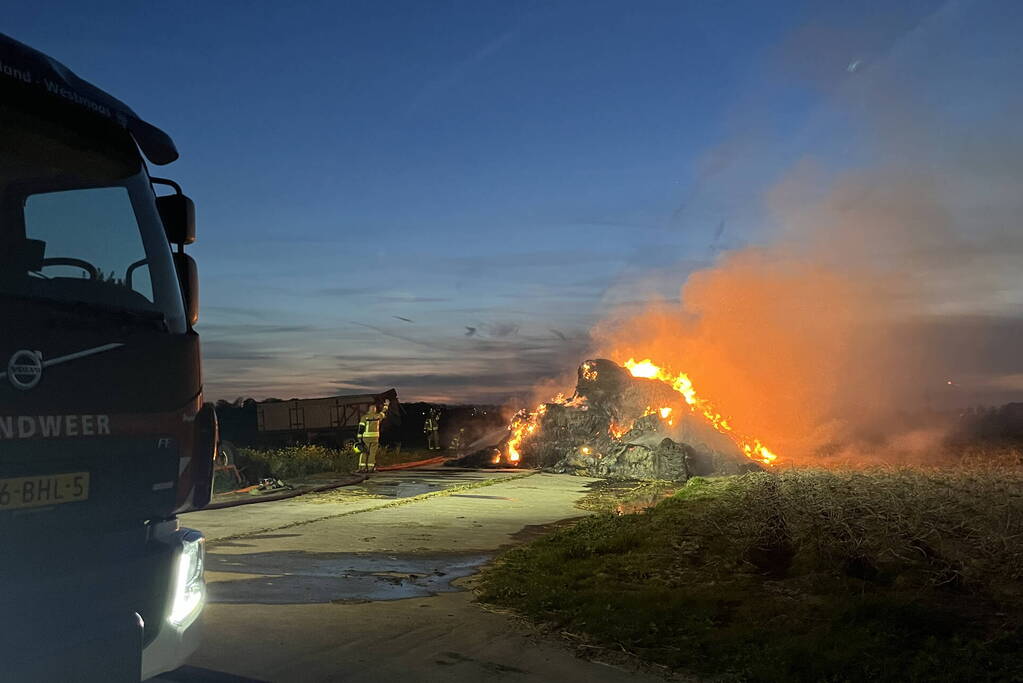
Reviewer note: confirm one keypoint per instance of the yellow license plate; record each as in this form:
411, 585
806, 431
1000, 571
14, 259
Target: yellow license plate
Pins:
45, 489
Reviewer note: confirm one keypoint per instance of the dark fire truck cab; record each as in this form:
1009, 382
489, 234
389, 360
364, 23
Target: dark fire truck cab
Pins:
104, 436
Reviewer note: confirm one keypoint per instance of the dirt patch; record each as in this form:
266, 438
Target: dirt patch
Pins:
625, 496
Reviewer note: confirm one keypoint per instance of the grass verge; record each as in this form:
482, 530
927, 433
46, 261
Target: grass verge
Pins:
306, 460
802, 575
625, 496
291, 462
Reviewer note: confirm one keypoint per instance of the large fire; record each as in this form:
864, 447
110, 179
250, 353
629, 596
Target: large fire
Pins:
525, 423
522, 425
682, 384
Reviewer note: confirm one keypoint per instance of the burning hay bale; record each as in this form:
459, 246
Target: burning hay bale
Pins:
620, 425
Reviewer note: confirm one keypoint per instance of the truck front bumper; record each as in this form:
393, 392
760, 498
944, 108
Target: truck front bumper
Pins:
179, 633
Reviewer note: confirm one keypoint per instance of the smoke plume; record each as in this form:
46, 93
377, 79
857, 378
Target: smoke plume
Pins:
886, 283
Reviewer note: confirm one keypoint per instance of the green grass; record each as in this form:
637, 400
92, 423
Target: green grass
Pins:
395, 455
308, 460
293, 462
800, 575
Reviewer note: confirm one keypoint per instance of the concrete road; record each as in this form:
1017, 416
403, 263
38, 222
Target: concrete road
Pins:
349, 586
379, 490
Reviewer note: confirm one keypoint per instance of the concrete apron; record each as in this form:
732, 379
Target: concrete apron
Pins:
380, 595
300, 577
379, 490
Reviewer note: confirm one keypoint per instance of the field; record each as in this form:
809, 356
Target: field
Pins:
886, 574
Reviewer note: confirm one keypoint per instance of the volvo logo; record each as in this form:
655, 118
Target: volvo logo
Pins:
25, 369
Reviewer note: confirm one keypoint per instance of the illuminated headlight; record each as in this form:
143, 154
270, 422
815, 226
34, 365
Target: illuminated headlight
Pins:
189, 588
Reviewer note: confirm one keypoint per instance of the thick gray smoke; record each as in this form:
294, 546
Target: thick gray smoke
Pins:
889, 285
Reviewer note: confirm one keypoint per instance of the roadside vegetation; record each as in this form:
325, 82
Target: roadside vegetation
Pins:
292, 462
309, 460
887, 574
624, 496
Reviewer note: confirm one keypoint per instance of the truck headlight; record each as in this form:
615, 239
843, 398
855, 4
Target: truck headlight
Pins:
189, 587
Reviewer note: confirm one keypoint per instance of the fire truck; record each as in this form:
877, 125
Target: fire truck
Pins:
104, 436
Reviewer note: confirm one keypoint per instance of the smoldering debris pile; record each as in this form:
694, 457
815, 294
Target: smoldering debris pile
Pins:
616, 425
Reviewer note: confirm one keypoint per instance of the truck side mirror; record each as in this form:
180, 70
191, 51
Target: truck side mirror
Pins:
177, 212
188, 277
178, 215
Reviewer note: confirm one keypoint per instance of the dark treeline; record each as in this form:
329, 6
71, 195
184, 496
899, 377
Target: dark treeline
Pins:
459, 424
990, 424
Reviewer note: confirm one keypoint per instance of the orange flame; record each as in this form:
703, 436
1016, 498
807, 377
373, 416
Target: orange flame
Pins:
681, 383
524, 424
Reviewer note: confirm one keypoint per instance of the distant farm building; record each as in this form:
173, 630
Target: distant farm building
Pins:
331, 420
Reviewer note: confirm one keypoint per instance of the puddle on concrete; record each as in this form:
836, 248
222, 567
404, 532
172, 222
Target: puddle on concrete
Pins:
396, 485
297, 577
399, 489
414, 488
383, 490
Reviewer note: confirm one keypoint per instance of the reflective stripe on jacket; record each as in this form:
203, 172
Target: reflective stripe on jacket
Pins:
372, 426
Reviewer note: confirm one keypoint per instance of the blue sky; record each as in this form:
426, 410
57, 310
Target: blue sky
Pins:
498, 173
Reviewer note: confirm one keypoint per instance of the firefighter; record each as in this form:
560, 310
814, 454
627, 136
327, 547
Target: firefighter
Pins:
369, 430
432, 429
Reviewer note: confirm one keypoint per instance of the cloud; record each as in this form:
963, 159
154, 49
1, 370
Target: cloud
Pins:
409, 299
250, 329
474, 344
501, 329
345, 291
454, 74
422, 361
377, 294
517, 381
539, 258
239, 311
219, 350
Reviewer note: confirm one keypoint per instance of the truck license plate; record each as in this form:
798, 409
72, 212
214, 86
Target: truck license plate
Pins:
48, 489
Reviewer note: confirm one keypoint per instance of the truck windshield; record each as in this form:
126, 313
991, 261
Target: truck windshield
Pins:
78, 221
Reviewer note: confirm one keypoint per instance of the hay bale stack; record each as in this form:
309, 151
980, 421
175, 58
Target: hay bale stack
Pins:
583, 435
